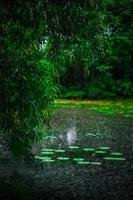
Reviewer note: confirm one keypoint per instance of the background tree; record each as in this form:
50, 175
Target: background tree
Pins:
75, 41
120, 29
100, 65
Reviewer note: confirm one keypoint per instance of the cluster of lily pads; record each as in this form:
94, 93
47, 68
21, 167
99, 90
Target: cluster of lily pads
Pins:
82, 156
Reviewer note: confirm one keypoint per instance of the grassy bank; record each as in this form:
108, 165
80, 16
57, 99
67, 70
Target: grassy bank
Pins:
110, 107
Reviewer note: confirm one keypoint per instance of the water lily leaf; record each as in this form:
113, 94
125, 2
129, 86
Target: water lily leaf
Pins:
73, 147
47, 150
48, 160
47, 153
63, 158
104, 148
59, 151
96, 163
83, 162
114, 158
116, 154
78, 159
100, 152
89, 149
39, 157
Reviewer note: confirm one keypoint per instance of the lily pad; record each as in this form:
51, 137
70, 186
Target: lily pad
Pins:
47, 153
47, 150
40, 157
96, 163
63, 158
73, 147
83, 162
100, 152
37, 157
48, 160
104, 148
89, 149
59, 151
114, 158
116, 154
78, 159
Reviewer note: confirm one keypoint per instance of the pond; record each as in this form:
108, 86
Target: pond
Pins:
87, 155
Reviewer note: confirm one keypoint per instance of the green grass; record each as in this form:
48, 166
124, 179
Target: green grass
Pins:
109, 107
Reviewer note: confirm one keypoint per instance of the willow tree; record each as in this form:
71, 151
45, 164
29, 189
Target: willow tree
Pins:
27, 77
27, 67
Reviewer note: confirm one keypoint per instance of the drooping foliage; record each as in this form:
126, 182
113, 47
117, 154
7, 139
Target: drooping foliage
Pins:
77, 31
84, 45
27, 77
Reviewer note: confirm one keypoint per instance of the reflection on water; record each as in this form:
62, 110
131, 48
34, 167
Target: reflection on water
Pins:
106, 143
102, 152
71, 135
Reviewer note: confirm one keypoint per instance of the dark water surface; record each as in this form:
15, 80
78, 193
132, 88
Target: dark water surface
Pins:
98, 179
95, 176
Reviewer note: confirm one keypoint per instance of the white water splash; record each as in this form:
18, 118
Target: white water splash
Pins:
71, 135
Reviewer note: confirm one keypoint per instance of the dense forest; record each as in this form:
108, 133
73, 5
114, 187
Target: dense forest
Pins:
60, 49
98, 61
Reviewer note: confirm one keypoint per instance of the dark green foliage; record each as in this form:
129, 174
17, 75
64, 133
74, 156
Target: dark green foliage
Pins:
27, 77
101, 63
86, 46
73, 94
